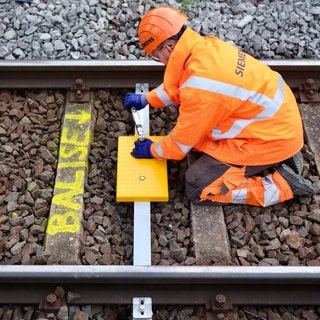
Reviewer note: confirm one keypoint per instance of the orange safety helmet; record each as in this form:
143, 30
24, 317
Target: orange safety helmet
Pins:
158, 25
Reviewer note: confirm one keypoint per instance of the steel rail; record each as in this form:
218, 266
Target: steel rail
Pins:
121, 73
164, 284
194, 285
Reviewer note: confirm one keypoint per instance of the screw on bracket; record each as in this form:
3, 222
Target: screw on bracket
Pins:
219, 308
53, 301
309, 92
79, 92
51, 304
220, 301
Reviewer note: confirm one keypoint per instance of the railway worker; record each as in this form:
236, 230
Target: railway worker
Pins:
238, 119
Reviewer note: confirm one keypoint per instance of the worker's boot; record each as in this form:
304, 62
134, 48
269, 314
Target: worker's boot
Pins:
296, 163
299, 185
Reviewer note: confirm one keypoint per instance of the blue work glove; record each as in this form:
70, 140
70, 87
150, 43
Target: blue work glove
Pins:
142, 149
137, 100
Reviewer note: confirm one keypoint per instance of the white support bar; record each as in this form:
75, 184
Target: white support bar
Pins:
142, 234
142, 218
142, 307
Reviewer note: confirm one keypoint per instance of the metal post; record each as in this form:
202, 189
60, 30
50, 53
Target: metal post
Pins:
142, 307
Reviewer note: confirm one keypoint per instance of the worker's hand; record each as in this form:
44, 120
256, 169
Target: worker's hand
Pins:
137, 100
142, 149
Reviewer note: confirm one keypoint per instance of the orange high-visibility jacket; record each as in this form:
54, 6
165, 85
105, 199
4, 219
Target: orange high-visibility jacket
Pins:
232, 106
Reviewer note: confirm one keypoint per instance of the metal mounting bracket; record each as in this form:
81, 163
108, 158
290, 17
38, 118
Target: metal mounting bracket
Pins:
142, 308
309, 92
79, 92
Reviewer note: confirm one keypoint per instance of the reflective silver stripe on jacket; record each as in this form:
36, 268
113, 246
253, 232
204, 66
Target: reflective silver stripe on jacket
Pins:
271, 106
183, 148
163, 96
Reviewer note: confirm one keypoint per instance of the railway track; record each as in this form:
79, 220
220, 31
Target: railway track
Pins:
219, 288
123, 73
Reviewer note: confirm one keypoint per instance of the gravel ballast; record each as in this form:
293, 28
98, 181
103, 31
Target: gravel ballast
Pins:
105, 29
29, 138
